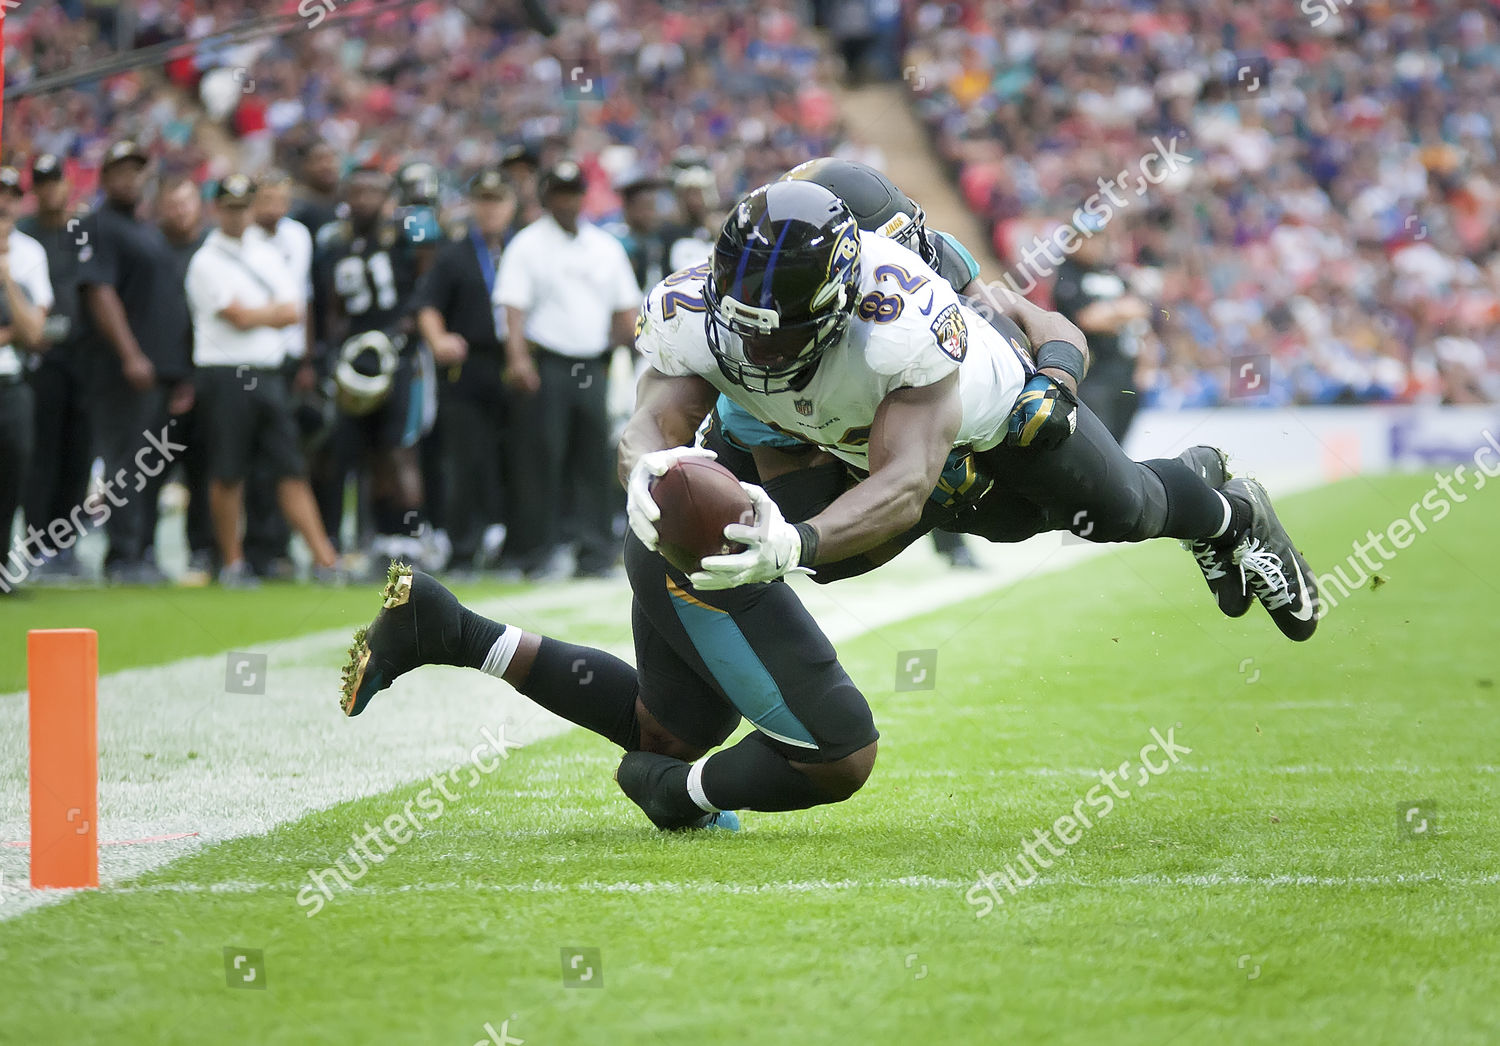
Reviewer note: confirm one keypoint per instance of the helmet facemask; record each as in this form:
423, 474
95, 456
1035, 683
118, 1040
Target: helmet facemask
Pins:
774, 309
756, 351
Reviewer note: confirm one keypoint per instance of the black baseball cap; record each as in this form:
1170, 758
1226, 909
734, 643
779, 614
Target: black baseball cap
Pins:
10, 180
370, 173
520, 152
563, 176
638, 181
120, 152
235, 190
47, 167
490, 183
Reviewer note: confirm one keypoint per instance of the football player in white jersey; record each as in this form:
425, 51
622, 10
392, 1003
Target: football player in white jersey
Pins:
852, 344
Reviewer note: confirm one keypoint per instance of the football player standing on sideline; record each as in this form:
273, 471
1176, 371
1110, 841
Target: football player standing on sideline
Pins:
364, 272
569, 296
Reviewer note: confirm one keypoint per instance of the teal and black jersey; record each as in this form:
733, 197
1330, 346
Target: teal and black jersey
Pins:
370, 276
953, 262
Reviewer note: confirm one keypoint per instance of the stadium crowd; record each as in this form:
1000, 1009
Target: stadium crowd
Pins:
1330, 214
1339, 210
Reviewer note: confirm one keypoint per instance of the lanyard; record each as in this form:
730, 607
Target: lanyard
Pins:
486, 262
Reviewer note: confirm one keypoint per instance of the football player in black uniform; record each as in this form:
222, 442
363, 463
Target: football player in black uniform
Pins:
803, 480
364, 273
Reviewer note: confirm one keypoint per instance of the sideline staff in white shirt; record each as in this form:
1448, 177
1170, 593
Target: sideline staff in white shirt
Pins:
266, 533
25, 297
242, 299
570, 296
273, 201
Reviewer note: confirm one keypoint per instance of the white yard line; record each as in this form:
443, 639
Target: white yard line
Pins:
907, 882
177, 754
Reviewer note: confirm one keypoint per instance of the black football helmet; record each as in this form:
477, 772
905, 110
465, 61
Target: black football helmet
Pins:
783, 285
874, 200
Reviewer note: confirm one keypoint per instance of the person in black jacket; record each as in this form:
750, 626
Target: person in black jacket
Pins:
59, 475
1091, 292
457, 320
142, 367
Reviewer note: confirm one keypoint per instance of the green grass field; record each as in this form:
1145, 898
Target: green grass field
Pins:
1266, 889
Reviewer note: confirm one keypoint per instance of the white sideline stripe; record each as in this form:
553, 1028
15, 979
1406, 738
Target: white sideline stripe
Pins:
270, 759
1189, 768
909, 882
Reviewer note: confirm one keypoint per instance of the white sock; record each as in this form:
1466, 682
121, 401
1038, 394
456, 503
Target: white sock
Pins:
498, 659
1228, 515
695, 787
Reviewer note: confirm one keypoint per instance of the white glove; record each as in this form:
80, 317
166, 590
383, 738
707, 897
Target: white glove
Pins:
640, 510
772, 548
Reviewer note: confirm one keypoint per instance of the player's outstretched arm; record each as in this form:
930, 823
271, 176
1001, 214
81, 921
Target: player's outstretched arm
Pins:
910, 440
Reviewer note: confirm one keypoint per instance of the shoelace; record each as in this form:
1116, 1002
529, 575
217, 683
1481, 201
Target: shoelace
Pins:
1264, 571
1208, 559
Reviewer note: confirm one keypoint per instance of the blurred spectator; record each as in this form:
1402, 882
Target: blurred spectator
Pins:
243, 298
570, 296
137, 363
690, 237
1090, 292
852, 23
25, 297
179, 216
465, 331
317, 190
520, 167
640, 229
59, 473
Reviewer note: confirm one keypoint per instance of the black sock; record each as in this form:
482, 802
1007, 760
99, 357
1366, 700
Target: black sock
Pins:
586, 686
1193, 508
477, 636
1239, 522
753, 775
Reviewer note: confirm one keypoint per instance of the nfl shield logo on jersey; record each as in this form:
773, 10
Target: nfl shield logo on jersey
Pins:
804, 407
951, 333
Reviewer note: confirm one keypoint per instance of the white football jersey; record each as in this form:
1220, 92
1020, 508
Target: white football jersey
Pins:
909, 329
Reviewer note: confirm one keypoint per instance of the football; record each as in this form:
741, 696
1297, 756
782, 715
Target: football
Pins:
698, 499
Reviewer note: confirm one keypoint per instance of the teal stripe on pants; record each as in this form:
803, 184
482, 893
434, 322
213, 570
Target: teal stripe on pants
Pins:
739, 672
